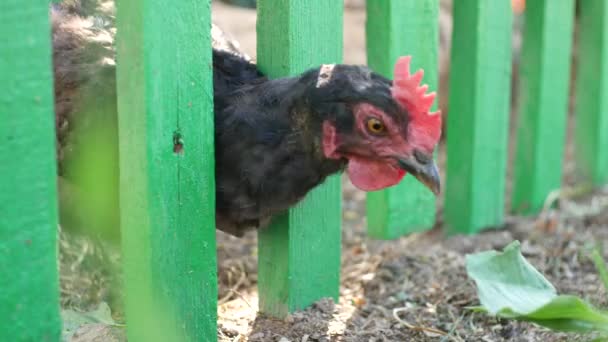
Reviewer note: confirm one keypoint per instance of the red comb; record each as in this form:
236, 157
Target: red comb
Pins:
424, 128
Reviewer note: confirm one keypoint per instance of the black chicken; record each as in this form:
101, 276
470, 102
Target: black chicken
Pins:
275, 139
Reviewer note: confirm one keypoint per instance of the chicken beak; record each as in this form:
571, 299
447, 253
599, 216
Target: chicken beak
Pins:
424, 169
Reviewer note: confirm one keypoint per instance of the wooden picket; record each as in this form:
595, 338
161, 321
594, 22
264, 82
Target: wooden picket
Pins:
478, 118
591, 134
409, 206
543, 96
299, 255
29, 284
165, 107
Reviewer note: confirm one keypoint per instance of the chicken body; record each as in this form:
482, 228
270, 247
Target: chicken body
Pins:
267, 155
275, 140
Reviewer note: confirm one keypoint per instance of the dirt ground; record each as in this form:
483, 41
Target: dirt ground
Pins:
411, 289
416, 288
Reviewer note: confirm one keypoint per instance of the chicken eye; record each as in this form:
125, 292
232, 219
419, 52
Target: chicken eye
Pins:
375, 126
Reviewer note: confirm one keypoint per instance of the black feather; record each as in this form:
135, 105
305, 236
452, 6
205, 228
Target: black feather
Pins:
264, 162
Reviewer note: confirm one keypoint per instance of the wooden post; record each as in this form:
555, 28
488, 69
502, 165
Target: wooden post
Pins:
167, 195
299, 255
591, 135
545, 76
29, 285
478, 119
397, 28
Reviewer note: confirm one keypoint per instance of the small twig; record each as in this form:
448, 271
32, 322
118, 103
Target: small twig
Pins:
449, 335
551, 198
81, 256
396, 312
233, 289
563, 193
600, 265
238, 294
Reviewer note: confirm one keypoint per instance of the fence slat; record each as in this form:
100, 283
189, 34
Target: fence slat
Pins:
409, 206
29, 285
545, 76
591, 134
299, 255
478, 115
165, 105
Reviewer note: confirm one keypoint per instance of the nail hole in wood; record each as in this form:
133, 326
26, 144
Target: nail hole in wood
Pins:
178, 143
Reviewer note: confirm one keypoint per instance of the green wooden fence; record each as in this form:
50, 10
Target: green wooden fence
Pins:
479, 115
408, 206
165, 109
29, 284
545, 76
165, 103
290, 275
591, 135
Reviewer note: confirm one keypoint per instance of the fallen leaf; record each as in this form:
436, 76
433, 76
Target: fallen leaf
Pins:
510, 287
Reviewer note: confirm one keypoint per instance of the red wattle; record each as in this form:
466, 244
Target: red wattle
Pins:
370, 175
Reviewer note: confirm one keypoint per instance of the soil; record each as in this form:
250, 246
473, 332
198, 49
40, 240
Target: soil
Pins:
411, 289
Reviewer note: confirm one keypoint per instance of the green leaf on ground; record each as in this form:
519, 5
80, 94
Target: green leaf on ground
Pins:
510, 287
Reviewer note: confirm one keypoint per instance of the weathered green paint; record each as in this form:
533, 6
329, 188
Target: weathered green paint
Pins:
478, 119
299, 255
543, 93
29, 285
591, 135
167, 195
409, 206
